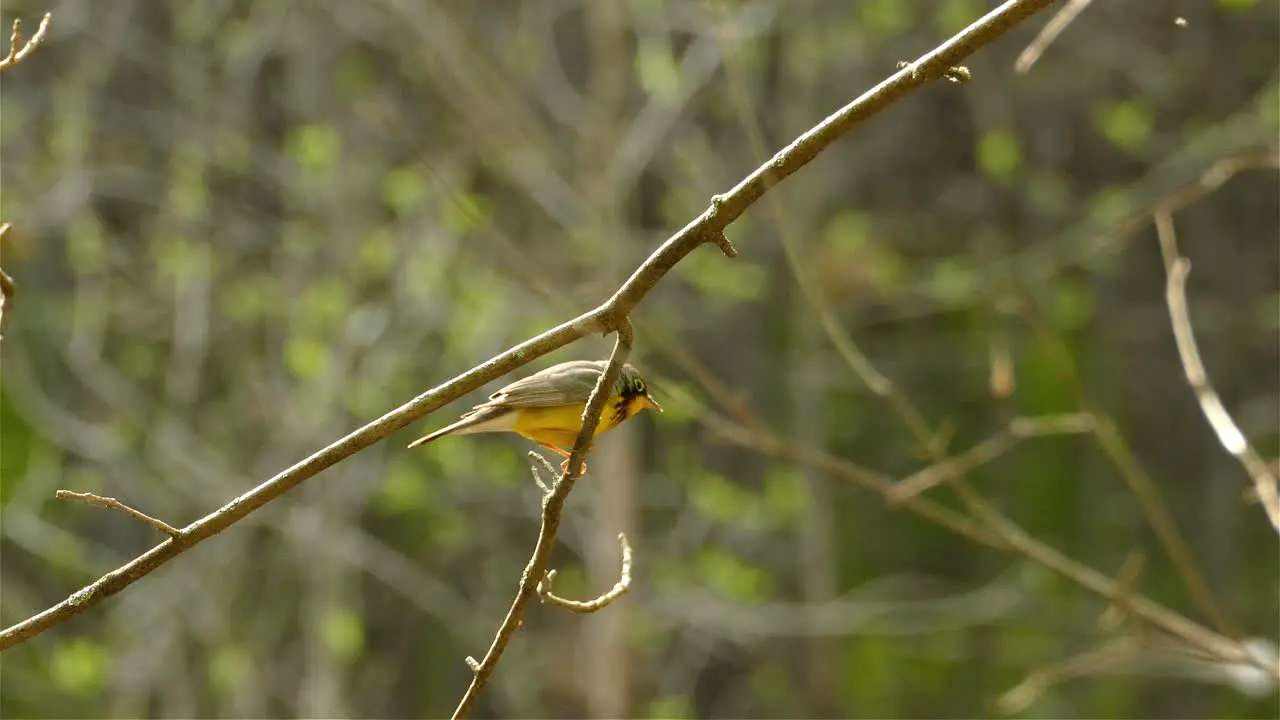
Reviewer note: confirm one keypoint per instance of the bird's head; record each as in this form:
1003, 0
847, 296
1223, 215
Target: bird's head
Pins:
635, 392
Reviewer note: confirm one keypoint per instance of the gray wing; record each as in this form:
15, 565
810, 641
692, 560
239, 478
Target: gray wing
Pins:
556, 385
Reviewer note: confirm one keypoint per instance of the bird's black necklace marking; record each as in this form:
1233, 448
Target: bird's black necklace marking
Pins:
620, 409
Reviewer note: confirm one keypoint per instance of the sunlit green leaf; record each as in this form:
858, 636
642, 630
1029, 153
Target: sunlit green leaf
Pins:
376, 253
952, 16
716, 497
404, 487
709, 273
884, 17
305, 357
953, 282
466, 212
228, 668
670, 707
314, 147
343, 633
786, 494
79, 666
1128, 124
656, 69
1073, 305
999, 154
403, 188
326, 302
732, 577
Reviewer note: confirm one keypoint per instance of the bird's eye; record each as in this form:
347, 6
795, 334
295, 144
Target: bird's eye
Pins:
639, 385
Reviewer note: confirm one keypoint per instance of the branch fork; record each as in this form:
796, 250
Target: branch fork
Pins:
547, 596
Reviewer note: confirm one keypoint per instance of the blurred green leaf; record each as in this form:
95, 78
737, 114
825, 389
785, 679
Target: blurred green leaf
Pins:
376, 253
1073, 305
715, 497
343, 633
1127, 124
786, 495
884, 17
404, 487
314, 147
466, 212
870, 659
403, 189
325, 303
952, 16
305, 357
79, 666
953, 282
1000, 155
733, 578
1237, 4
670, 707
179, 259
1109, 206
228, 668
250, 298
710, 274
657, 70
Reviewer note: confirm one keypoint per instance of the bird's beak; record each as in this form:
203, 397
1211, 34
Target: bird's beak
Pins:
650, 403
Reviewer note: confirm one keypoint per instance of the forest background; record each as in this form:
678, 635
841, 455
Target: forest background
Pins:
244, 227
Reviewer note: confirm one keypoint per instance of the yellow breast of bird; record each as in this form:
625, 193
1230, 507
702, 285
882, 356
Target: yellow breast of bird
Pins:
559, 425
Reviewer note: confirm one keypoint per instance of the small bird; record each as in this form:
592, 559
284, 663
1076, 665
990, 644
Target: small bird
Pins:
546, 407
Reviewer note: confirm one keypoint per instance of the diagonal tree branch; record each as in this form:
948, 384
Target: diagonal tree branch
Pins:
19, 50
1228, 433
707, 227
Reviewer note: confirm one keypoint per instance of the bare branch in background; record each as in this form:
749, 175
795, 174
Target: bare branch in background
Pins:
983, 453
18, 51
546, 595
996, 531
113, 504
1051, 31
608, 317
1110, 656
1229, 435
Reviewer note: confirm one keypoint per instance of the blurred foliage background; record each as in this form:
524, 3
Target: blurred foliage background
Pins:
245, 227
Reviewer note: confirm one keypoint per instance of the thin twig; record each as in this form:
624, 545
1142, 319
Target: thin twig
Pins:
537, 476
114, 504
552, 507
18, 51
987, 451
707, 227
1229, 435
997, 532
1126, 578
1051, 31
1109, 656
619, 588
1140, 483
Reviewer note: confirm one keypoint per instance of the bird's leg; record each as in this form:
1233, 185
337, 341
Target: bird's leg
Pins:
564, 465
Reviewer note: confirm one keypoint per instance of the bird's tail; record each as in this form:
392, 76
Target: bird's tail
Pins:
481, 420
